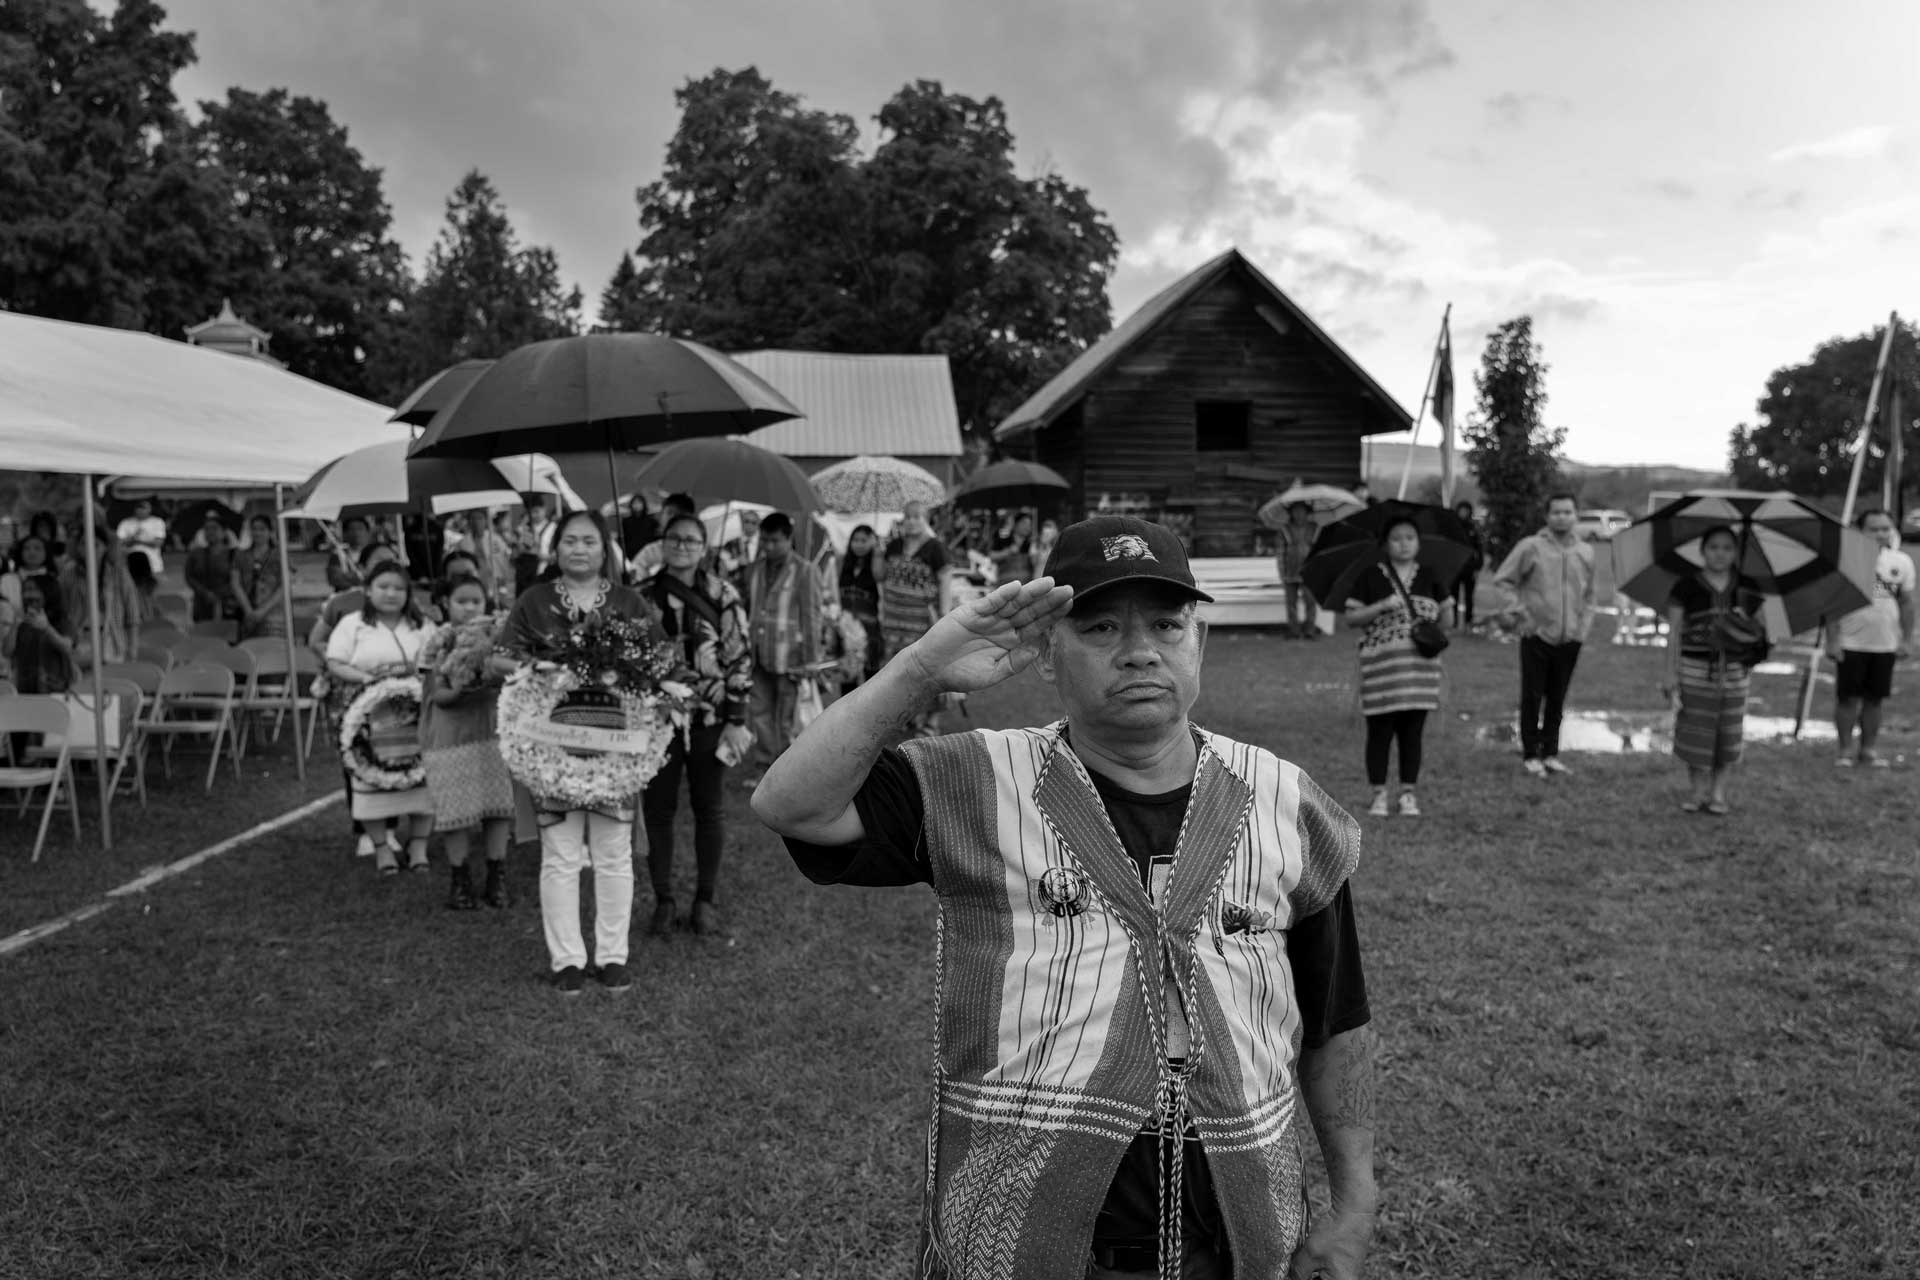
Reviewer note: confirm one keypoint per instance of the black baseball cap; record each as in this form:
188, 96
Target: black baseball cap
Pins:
1107, 550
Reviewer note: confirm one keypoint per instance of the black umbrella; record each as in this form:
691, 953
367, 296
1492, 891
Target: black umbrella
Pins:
439, 391
605, 391
1011, 483
188, 520
1348, 548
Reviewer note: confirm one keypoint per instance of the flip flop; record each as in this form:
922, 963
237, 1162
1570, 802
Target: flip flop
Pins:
1690, 806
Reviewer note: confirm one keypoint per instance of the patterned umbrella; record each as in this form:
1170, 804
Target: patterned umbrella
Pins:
1351, 546
1325, 501
1816, 568
867, 483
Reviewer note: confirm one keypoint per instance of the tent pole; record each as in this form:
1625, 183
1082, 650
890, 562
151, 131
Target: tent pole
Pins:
99, 684
286, 611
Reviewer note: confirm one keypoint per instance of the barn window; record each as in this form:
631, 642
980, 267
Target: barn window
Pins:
1223, 426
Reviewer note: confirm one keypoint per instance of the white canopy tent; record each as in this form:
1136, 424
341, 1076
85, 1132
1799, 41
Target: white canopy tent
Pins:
94, 401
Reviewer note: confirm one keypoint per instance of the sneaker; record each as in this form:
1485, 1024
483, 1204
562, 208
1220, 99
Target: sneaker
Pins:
1378, 809
614, 977
707, 921
1873, 761
1843, 762
1552, 765
495, 892
460, 891
666, 917
570, 981
1409, 807
1537, 768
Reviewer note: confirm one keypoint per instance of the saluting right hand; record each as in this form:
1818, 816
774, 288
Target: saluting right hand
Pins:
988, 640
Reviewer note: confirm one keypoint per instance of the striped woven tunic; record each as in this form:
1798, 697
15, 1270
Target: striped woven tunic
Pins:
1062, 987
1393, 675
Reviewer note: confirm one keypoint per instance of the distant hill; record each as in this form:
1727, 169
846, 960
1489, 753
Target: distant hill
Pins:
1598, 486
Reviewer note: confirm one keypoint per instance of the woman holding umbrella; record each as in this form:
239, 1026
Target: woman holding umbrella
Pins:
1399, 684
1714, 619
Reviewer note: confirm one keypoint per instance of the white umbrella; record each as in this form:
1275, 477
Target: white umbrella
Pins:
381, 480
869, 483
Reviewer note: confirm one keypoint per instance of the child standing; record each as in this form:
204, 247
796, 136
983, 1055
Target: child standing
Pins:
469, 783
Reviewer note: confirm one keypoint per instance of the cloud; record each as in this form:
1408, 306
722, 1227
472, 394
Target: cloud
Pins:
1513, 110
1864, 143
1672, 189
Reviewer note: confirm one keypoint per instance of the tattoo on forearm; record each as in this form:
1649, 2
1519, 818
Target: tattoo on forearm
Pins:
1339, 1083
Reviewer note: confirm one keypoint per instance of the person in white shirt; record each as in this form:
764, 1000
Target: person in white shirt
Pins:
144, 534
1869, 641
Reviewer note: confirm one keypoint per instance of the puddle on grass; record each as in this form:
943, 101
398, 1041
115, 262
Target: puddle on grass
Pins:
1623, 732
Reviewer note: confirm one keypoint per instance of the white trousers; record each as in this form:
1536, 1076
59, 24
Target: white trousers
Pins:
567, 848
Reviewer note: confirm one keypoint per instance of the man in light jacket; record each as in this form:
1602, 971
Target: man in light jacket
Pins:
1551, 577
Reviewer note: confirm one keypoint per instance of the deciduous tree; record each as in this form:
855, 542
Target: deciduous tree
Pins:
1809, 417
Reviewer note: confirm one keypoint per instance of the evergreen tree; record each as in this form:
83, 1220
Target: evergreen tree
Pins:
1515, 456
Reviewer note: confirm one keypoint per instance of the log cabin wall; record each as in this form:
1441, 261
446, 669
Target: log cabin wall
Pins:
1132, 440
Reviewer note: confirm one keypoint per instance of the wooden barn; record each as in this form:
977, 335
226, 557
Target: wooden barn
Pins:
1201, 405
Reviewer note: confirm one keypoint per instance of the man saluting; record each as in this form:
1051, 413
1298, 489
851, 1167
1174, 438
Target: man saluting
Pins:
1146, 937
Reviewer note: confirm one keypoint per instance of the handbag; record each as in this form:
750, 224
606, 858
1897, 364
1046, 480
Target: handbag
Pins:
1429, 638
1739, 637
807, 705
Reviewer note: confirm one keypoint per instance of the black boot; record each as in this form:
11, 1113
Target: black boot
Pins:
495, 894
460, 892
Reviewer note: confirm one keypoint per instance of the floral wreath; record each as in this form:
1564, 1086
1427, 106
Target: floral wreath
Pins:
563, 779
356, 749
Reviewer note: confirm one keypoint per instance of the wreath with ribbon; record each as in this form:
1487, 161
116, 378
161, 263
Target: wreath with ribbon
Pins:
386, 705
566, 779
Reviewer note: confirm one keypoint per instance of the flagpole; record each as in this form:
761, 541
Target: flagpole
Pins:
1433, 367
1846, 511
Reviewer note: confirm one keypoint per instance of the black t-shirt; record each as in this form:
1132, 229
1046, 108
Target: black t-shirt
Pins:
1323, 949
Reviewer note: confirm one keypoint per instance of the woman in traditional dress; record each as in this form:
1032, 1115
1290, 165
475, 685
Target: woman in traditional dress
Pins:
256, 582
705, 616
859, 576
459, 744
1714, 633
911, 579
1012, 552
574, 840
122, 607
1398, 687
383, 639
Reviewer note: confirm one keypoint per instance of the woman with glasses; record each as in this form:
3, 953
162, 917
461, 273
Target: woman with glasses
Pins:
705, 616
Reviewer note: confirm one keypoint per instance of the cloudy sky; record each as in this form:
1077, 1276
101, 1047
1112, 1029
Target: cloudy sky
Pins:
1684, 194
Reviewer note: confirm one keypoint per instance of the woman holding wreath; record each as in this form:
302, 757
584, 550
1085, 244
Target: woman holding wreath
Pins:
381, 642
1716, 636
586, 594
1398, 684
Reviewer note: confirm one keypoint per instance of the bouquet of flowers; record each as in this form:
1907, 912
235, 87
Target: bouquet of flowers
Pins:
459, 655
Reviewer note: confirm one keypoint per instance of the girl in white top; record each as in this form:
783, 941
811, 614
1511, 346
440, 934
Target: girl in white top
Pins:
385, 639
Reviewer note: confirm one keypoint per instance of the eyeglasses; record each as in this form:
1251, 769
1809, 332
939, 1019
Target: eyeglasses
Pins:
685, 542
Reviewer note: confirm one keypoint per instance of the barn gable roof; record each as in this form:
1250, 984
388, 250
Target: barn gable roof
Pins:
1072, 382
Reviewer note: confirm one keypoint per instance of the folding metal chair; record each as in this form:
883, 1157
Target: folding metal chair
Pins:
215, 629
39, 714
171, 606
195, 701
274, 693
124, 746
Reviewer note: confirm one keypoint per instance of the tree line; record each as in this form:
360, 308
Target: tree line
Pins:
767, 226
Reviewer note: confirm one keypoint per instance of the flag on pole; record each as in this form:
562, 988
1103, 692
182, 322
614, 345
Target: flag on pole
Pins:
1443, 409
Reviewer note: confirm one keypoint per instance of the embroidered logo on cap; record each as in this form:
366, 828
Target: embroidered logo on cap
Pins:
1127, 546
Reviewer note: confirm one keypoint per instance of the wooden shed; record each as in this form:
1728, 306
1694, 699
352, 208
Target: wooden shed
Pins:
1215, 394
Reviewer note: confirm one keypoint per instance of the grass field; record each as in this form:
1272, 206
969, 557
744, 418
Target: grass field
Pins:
1618, 1040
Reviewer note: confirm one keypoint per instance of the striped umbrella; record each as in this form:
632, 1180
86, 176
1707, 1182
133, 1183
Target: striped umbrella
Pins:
868, 483
1814, 568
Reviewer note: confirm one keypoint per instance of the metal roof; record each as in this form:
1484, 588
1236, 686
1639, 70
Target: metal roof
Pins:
900, 405
1072, 382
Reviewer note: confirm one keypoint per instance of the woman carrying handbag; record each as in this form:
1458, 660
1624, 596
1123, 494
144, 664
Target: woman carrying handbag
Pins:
1401, 604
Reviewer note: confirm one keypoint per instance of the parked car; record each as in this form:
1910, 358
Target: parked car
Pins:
1601, 524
